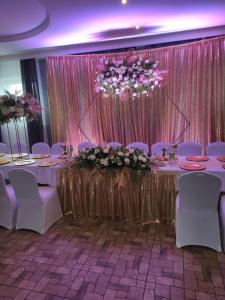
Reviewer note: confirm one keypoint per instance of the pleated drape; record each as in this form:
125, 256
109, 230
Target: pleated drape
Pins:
194, 80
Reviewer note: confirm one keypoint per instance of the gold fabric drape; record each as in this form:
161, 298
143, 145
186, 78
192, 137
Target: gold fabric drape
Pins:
125, 194
194, 81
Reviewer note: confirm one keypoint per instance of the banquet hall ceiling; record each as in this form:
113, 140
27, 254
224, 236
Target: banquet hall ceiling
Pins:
32, 25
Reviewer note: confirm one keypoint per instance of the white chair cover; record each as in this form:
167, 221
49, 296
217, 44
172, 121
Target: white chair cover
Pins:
56, 149
189, 148
38, 207
222, 220
8, 204
140, 146
156, 149
85, 145
40, 148
15, 148
216, 148
113, 144
197, 220
3, 148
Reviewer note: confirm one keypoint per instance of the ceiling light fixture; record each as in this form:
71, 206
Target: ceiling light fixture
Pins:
124, 1
137, 26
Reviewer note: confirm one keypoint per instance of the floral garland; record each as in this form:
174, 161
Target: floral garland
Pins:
122, 77
109, 157
13, 107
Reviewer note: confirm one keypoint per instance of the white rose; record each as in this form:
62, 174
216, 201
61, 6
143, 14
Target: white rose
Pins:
97, 150
104, 162
119, 163
127, 161
106, 150
144, 159
127, 154
131, 150
147, 61
140, 157
120, 153
91, 157
135, 158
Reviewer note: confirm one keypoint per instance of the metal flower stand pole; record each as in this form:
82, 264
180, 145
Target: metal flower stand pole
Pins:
20, 158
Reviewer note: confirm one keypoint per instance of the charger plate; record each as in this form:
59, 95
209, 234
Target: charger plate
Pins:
4, 161
221, 158
49, 163
197, 158
24, 162
192, 166
40, 156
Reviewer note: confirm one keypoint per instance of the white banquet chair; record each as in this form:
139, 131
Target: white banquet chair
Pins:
56, 149
40, 148
38, 207
113, 144
189, 148
85, 145
8, 204
156, 149
222, 220
216, 148
197, 221
3, 148
15, 148
140, 146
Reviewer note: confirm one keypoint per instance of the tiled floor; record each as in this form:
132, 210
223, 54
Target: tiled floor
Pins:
105, 259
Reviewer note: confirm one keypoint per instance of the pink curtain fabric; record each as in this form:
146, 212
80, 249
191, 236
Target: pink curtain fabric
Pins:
195, 81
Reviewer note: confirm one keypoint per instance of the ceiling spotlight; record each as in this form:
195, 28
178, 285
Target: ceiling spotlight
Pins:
124, 1
137, 26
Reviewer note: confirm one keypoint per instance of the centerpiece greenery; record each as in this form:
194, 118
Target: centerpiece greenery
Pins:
108, 157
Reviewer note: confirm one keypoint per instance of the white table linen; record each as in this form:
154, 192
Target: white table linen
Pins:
44, 175
212, 166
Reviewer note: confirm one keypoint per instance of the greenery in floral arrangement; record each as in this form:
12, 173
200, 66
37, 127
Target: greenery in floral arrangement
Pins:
13, 107
135, 75
108, 157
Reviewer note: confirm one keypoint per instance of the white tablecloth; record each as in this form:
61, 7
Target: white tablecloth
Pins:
44, 175
212, 166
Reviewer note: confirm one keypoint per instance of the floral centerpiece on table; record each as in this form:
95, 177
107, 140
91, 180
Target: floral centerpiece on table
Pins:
135, 75
13, 107
107, 157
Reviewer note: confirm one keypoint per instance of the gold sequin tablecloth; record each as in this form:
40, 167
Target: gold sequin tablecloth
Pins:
123, 193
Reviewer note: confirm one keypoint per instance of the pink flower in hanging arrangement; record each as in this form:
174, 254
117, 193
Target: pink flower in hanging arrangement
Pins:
13, 107
133, 76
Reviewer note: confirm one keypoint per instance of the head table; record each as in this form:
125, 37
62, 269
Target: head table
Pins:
146, 196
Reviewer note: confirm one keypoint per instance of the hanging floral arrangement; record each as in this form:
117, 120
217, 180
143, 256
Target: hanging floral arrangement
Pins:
13, 107
133, 76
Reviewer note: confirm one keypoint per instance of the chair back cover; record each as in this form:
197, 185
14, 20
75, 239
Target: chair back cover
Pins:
216, 148
25, 186
85, 145
56, 149
199, 191
40, 148
140, 146
113, 144
3, 148
15, 148
3, 192
189, 148
156, 149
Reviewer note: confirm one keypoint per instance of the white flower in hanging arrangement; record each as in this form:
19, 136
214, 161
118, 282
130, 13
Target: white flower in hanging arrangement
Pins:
134, 76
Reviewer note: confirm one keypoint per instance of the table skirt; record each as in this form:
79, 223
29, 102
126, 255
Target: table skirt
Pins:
124, 193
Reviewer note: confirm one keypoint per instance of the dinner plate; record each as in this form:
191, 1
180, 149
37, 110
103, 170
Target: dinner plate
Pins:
18, 155
39, 156
4, 161
2, 154
197, 158
221, 158
24, 162
49, 163
192, 166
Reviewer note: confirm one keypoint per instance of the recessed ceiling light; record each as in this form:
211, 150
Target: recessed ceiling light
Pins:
124, 1
137, 26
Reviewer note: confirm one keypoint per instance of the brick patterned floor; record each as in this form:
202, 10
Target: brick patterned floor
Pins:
104, 260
